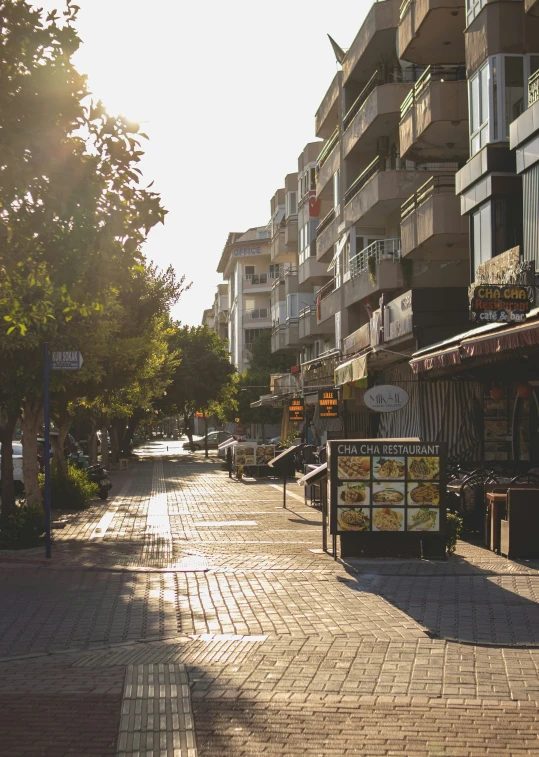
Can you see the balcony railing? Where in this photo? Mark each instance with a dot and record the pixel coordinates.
(257, 278)
(435, 185)
(377, 165)
(378, 78)
(306, 312)
(404, 8)
(442, 72)
(326, 220)
(256, 315)
(326, 290)
(328, 148)
(533, 89)
(382, 249)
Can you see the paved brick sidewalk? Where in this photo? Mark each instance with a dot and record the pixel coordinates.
(188, 576)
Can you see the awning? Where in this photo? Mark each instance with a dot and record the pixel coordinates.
(520, 335)
(352, 371)
(476, 343)
(439, 359)
(338, 250)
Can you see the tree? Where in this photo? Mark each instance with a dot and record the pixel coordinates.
(72, 214)
(255, 380)
(203, 377)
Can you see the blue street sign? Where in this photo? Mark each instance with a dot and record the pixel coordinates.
(66, 361)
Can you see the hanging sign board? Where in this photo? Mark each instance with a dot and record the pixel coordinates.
(386, 398)
(66, 361)
(385, 489)
(328, 403)
(491, 302)
(296, 409)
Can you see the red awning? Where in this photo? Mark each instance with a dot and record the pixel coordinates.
(512, 338)
(492, 342)
(440, 359)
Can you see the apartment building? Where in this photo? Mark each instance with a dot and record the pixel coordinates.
(247, 268)
(220, 312)
(502, 54)
(394, 122)
(208, 318)
(289, 296)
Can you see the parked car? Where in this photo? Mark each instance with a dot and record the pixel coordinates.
(214, 440)
(18, 478)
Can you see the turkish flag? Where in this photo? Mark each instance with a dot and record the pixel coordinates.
(314, 206)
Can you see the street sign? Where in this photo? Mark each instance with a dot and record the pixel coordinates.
(296, 409)
(328, 403)
(66, 361)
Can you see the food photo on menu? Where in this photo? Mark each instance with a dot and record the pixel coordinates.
(423, 519)
(353, 467)
(353, 519)
(387, 519)
(388, 493)
(423, 493)
(423, 468)
(355, 493)
(389, 468)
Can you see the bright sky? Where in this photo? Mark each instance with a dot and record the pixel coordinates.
(227, 92)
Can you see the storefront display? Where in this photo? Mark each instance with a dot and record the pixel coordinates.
(387, 486)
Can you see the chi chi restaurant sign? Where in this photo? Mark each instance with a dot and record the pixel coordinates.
(386, 398)
(501, 303)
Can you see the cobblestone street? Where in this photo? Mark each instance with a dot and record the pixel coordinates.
(191, 615)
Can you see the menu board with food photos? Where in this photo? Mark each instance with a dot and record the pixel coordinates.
(253, 454)
(386, 485)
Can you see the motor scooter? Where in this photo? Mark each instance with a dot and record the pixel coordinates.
(100, 476)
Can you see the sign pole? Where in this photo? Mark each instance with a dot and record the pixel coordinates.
(46, 414)
(284, 492)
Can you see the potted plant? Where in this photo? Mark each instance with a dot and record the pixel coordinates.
(239, 472)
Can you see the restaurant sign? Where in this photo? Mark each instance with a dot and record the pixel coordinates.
(389, 485)
(328, 403)
(491, 302)
(296, 409)
(386, 398)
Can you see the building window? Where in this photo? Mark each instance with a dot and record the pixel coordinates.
(274, 271)
(497, 95)
(249, 271)
(291, 204)
(482, 235)
(252, 334)
(479, 109)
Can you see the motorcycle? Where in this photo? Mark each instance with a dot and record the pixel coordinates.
(100, 476)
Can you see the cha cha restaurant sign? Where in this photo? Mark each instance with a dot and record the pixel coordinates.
(501, 303)
(386, 398)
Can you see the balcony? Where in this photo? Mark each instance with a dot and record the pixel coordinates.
(431, 31)
(257, 282)
(376, 111)
(373, 270)
(320, 372)
(328, 301)
(357, 340)
(434, 116)
(312, 272)
(328, 163)
(432, 227)
(259, 314)
(381, 189)
(291, 233)
(374, 41)
(327, 115)
(326, 235)
(278, 339)
(309, 328)
(533, 89)
(291, 333)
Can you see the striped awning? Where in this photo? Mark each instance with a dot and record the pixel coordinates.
(354, 370)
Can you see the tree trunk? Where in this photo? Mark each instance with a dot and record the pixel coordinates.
(31, 426)
(206, 454)
(8, 420)
(114, 443)
(104, 447)
(188, 429)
